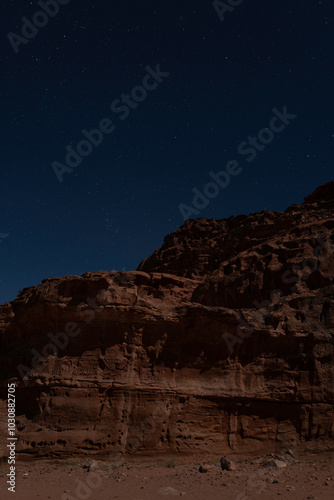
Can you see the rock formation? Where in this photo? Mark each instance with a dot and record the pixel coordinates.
(221, 341)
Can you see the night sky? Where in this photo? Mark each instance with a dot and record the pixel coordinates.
(221, 81)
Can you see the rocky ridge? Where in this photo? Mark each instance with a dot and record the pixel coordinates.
(221, 341)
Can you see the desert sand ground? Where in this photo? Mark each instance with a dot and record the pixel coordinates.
(307, 476)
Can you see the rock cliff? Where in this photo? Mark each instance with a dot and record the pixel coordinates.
(221, 341)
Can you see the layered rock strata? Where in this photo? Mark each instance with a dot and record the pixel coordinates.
(221, 341)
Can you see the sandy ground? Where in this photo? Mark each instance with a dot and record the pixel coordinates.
(310, 476)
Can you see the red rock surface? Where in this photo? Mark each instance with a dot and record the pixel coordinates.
(193, 352)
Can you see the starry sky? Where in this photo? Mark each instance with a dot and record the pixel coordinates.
(225, 69)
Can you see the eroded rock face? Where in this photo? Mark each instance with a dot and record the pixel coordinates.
(221, 341)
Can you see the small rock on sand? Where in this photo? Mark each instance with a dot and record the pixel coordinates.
(276, 463)
(205, 468)
(168, 491)
(227, 464)
(93, 466)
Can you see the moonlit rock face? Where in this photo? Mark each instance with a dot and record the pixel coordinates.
(220, 342)
(322, 193)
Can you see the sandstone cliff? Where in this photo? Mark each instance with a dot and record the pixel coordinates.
(221, 340)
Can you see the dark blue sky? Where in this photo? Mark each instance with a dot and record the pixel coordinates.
(224, 80)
